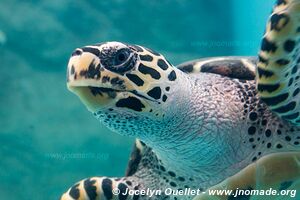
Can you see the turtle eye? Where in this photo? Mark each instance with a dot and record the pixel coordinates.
(121, 56)
(119, 61)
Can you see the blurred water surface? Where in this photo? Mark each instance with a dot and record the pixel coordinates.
(48, 140)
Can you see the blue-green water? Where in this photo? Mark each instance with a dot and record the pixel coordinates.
(48, 140)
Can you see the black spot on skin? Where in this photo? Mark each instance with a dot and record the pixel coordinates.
(172, 76)
(181, 178)
(90, 189)
(264, 122)
(105, 79)
(291, 82)
(286, 108)
(72, 70)
(251, 140)
(155, 93)
(279, 21)
(116, 81)
(268, 45)
(268, 133)
(286, 75)
(77, 52)
(146, 58)
(285, 185)
(289, 45)
(269, 145)
(254, 159)
(296, 143)
(272, 101)
(263, 60)
(263, 72)
(107, 188)
(167, 88)
(251, 130)
(93, 71)
(282, 62)
(267, 87)
(291, 116)
(173, 184)
(131, 103)
(296, 92)
(135, 79)
(279, 2)
(253, 116)
(147, 70)
(74, 191)
(164, 98)
(295, 69)
(122, 187)
(172, 173)
(187, 68)
(278, 146)
(91, 50)
(128, 182)
(142, 143)
(162, 64)
(135, 159)
(162, 168)
(288, 138)
(279, 132)
(99, 91)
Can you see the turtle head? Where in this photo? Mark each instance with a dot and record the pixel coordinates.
(120, 82)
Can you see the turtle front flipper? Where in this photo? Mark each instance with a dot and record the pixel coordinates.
(277, 73)
(102, 188)
(139, 176)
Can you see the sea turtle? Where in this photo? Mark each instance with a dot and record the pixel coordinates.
(232, 121)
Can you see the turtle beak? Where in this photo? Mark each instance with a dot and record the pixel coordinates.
(83, 69)
(96, 87)
(83, 79)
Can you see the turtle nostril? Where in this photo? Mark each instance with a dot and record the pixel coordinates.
(77, 52)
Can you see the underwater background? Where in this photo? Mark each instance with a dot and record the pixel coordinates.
(48, 139)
